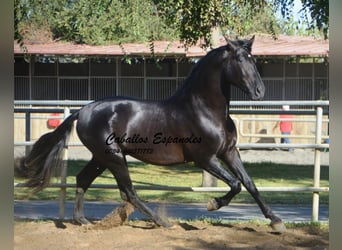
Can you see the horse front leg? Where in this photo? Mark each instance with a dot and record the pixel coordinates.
(233, 161)
(83, 181)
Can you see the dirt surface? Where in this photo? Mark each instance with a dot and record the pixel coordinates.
(115, 232)
(145, 235)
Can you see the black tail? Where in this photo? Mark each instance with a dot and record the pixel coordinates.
(46, 155)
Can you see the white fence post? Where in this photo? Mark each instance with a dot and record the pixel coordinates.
(64, 169)
(317, 168)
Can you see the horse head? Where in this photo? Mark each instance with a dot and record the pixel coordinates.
(241, 70)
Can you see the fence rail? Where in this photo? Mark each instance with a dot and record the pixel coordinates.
(69, 103)
(189, 189)
(64, 106)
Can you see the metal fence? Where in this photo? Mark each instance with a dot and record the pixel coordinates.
(319, 107)
(93, 88)
(155, 88)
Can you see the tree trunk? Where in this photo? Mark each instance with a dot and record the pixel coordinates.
(207, 179)
(215, 37)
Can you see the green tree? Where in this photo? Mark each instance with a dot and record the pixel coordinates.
(108, 21)
(195, 19)
(244, 22)
(93, 22)
(316, 13)
(103, 21)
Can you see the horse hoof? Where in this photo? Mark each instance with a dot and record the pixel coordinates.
(212, 205)
(82, 221)
(164, 223)
(278, 226)
(168, 224)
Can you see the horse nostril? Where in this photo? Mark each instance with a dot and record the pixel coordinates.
(259, 91)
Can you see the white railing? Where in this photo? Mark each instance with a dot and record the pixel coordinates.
(64, 106)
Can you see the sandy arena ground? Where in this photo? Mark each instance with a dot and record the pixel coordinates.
(142, 235)
(115, 232)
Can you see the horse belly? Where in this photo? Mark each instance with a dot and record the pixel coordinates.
(159, 155)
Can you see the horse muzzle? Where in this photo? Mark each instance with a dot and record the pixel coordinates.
(257, 93)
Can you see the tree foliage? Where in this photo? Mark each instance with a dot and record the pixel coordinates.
(316, 12)
(195, 18)
(94, 22)
(103, 21)
(117, 21)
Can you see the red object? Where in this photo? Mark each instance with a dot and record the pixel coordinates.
(54, 122)
(286, 126)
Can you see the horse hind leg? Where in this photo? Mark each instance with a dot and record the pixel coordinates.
(83, 181)
(120, 171)
(215, 168)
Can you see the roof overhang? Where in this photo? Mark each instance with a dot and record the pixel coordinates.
(264, 45)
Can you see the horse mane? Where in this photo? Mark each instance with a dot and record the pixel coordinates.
(203, 60)
(188, 82)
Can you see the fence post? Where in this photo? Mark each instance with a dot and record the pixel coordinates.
(317, 167)
(208, 180)
(27, 131)
(62, 196)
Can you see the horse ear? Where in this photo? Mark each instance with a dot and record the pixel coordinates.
(251, 41)
(248, 43)
(230, 45)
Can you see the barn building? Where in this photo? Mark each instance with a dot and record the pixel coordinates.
(293, 68)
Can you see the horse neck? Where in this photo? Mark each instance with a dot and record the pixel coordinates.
(203, 87)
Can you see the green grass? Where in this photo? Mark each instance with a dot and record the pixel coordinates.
(263, 174)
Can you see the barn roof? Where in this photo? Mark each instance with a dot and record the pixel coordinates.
(264, 45)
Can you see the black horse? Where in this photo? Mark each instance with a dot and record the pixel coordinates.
(190, 126)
